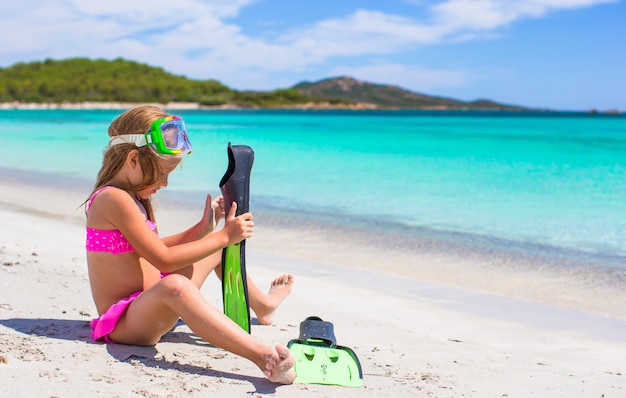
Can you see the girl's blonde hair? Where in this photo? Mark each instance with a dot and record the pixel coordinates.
(134, 121)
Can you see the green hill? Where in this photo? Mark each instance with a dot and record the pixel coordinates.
(82, 80)
(386, 96)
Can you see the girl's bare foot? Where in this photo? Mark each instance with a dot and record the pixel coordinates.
(279, 366)
(279, 290)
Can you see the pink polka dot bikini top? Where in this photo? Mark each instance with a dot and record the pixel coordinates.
(109, 240)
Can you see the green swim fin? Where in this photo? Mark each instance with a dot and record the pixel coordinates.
(235, 187)
(319, 360)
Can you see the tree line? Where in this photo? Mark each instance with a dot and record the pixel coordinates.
(85, 80)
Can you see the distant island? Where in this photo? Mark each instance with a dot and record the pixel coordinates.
(86, 83)
(382, 96)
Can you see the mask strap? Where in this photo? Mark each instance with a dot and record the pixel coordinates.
(137, 139)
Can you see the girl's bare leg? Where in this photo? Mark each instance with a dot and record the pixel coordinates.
(157, 309)
(264, 305)
(199, 271)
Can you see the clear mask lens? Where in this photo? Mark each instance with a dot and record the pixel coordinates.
(175, 135)
(169, 136)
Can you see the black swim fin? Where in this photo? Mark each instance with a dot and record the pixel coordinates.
(235, 187)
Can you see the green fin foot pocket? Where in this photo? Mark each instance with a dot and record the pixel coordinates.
(318, 358)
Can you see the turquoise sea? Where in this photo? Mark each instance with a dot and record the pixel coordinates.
(533, 182)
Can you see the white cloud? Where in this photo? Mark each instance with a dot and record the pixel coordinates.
(160, 12)
(367, 33)
(89, 28)
(458, 16)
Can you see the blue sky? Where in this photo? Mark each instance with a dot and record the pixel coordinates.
(558, 54)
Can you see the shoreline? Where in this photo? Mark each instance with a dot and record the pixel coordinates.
(319, 106)
(90, 105)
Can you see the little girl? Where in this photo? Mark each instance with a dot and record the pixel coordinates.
(142, 283)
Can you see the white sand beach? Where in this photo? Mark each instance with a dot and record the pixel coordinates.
(422, 326)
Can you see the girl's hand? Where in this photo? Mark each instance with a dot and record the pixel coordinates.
(213, 212)
(218, 208)
(238, 228)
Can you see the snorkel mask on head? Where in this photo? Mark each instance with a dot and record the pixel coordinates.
(167, 136)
